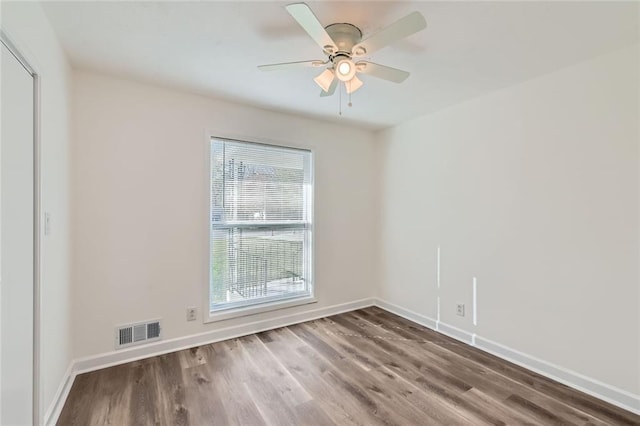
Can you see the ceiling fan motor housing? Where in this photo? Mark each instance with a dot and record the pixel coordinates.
(345, 36)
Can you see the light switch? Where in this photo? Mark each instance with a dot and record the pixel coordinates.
(47, 223)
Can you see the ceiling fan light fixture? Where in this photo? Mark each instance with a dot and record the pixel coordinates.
(324, 79)
(342, 43)
(352, 85)
(345, 69)
(359, 51)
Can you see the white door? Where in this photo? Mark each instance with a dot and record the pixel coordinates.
(16, 242)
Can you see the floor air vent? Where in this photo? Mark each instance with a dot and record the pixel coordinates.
(135, 334)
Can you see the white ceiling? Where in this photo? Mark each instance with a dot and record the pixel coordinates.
(213, 48)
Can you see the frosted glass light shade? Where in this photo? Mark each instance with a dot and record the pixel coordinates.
(354, 84)
(325, 79)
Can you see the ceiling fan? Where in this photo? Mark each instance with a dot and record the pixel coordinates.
(342, 43)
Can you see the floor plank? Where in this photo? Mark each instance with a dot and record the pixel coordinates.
(366, 367)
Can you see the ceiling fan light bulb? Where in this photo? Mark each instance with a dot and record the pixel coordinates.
(345, 70)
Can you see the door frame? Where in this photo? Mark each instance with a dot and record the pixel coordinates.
(27, 65)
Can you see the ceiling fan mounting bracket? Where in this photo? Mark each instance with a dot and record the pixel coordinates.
(338, 56)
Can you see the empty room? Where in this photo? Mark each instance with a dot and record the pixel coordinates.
(320, 213)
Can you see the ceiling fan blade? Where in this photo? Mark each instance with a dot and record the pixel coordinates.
(332, 89)
(410, 24)
(308, 21)
(291, 65)
(382, 71)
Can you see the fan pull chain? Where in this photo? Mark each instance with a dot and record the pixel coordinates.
(340, 99)
(350, 104)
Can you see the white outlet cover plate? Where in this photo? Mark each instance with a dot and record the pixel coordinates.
(192, 313)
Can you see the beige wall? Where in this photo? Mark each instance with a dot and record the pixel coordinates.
(534, 190)
(29, 28)
(140, 177)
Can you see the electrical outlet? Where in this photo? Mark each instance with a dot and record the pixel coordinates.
(460, 309)
(192, 313)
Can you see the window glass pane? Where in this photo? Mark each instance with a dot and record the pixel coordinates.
(260, 223)
(258, 183)
(257, 264)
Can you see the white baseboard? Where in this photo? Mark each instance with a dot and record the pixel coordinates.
(59, 398)
(406, 313)
(426, 321)
(588, 385)
(615, 396)
(455, 332)
(109, 359)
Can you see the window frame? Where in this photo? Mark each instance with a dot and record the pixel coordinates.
(267, 305)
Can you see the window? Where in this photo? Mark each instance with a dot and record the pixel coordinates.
(261, 225)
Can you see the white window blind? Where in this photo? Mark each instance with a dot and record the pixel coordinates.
(261, 224)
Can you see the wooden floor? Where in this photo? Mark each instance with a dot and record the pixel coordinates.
(364, 367)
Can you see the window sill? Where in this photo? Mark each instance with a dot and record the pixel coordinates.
(257, 309)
